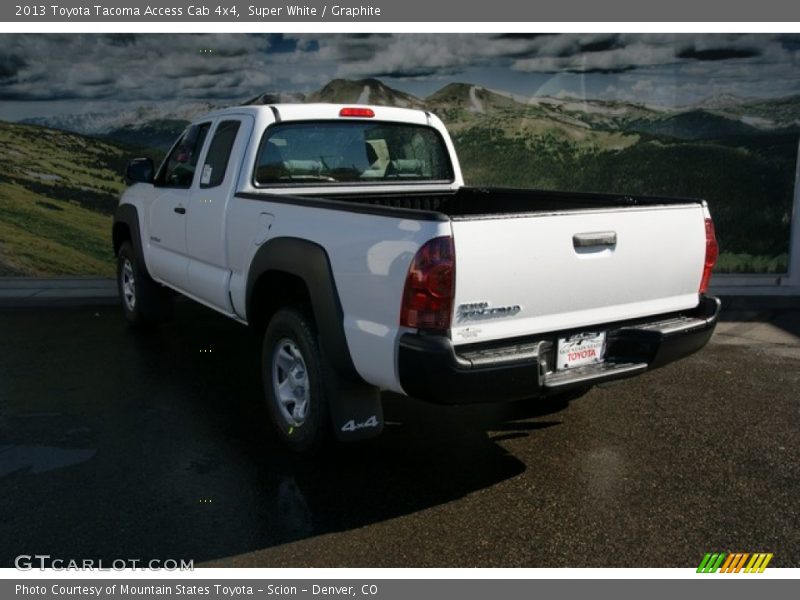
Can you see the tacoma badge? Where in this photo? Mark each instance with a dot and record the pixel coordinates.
(482, 310)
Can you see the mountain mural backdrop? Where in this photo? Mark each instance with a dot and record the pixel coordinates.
(60, 176)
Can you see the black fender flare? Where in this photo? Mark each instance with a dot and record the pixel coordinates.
(308, 261)
(128, 215)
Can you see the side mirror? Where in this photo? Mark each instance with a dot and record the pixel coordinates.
(140, 170)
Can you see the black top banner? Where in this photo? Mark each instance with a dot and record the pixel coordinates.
(378, 11)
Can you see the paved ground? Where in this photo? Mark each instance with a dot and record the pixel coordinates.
(38, 292)
(114, 444)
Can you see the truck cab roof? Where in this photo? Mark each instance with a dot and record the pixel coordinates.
(327, 111)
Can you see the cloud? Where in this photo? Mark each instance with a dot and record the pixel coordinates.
(139, 66)
(10, 65)
(423, 55)
(411, 55)
(716, 54)
(616, 53)
(175, 67)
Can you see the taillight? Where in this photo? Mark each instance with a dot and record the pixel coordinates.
(356, 112)
(712, 253)
(430, 286)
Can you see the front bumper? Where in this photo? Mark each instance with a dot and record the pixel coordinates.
(430, 368)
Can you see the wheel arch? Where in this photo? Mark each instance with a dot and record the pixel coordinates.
(126, 228)
(305, 270)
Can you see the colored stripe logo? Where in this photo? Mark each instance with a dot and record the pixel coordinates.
(734, 562)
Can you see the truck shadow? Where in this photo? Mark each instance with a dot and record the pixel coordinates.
(181, 463)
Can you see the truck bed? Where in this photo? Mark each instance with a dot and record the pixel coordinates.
(466, 203)
(551, 261)
(470, 202)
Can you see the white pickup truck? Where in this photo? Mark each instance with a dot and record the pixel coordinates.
(346, 234)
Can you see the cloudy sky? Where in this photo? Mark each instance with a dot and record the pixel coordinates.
(50, 74)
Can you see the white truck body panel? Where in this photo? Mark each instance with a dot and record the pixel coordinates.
(530, 262)
(369, 264)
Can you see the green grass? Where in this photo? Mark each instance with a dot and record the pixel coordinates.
(57, 193)
(730, 262)
(41, 236)
(60, 160)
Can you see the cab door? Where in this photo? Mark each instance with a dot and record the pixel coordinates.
(166, 218)
(208, 273)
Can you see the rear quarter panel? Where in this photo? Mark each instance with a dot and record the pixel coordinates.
(369, 257)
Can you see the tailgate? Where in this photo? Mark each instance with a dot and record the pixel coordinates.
(529, 274)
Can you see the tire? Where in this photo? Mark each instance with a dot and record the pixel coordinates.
(144, 302)
(292, 376)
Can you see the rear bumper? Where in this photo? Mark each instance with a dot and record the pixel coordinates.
(431, 369)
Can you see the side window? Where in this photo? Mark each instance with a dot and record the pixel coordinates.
(219, 152)
(179, 168)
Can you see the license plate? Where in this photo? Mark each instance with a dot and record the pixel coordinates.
(580, 350)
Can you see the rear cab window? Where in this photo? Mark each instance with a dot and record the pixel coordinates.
(352, 152)
(218, 155)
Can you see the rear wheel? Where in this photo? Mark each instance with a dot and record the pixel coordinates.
(291, 366)
(144, 301)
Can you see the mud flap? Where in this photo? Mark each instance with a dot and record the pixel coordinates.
(355, 408)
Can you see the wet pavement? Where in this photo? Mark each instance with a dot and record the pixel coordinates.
(115, 444)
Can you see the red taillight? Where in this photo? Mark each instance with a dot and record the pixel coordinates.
(430, 286)
(356, 112)
(712, 253)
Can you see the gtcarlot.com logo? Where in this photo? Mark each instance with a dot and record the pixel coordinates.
(734, 562)
(28, 562)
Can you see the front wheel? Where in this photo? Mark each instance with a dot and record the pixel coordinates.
(291, 366)
(144, 301)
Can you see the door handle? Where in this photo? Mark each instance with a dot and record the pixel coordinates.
(595, 239)
(180, 210)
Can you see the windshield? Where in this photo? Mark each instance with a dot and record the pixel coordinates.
(354, 151)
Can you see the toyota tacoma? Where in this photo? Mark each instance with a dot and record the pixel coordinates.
(346, 236)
